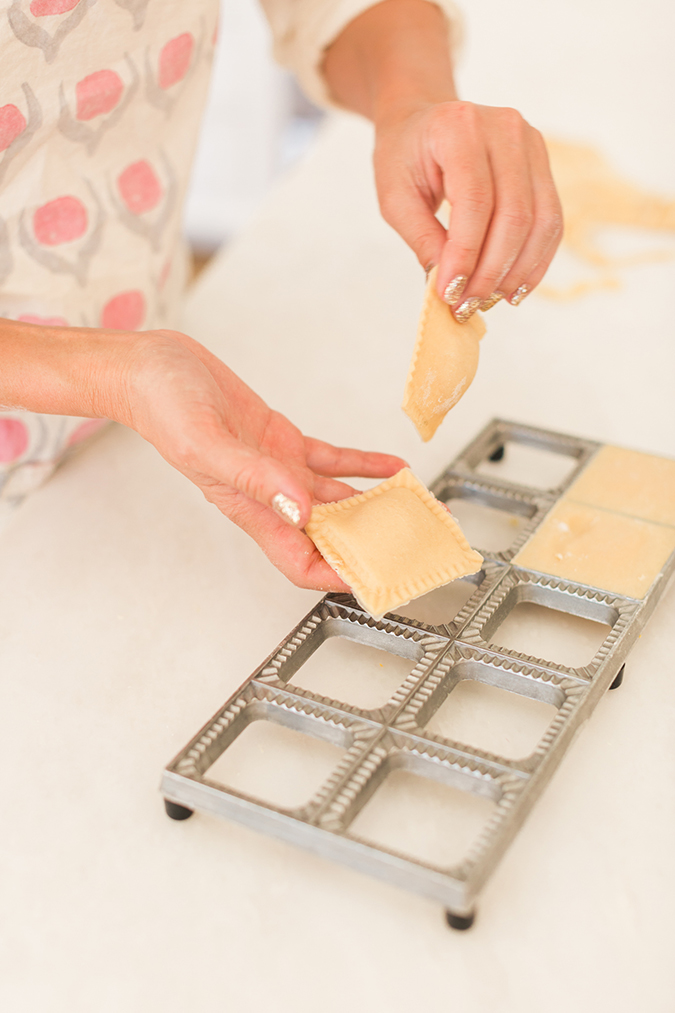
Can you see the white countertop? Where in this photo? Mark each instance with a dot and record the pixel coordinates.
(130, 610)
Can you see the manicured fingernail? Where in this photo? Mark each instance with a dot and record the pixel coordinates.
(453, 291)
(519, 295)
(466, 310)
(427, 270)
(287, 508)
(491, 301)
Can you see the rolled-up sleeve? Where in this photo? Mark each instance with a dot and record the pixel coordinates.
(303, 30)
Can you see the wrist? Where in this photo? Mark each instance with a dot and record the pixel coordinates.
(392, 60)
(393, 108)
(66, 370)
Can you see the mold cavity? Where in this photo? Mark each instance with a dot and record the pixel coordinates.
(439, 606)
(492, 718)
(486, 526)
(527, 465)
(276, 764)
(353, 673)
(551, 635)
(422, 819)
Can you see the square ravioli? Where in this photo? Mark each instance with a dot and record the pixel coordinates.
(443, 364)
(607, 550)
(641, 485)
(392, 543)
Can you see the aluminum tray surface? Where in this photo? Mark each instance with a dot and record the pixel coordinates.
(399, 734)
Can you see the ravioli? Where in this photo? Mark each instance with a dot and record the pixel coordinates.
(392, 543)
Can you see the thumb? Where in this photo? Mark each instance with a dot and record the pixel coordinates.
(406, 210)
(263, 479)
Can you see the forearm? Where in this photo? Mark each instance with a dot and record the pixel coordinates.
(65, 370)
(393, 59)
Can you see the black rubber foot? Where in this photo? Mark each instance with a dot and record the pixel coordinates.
(619, 678)
(177, 812)
(498, 454)
(460, 922)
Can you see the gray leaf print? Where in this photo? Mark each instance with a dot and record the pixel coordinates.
(33, 124)
(6, 261)
(31, 34)
(136, 8)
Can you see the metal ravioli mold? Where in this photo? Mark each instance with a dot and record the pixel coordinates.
(405, 736)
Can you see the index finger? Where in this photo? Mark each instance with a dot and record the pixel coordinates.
(336, 462)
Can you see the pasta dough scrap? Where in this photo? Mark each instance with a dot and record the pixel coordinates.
(392, 543)
(593, 196)
(599, 547)
(630, 482)
(444, 362)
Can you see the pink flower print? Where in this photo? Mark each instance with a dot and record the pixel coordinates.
(30, 318)
(97, 94)
(139, 187)
(60, 221)
(45, 8)
(13, 439)
(174, 60)
(12, 124)
(137, 9)
(64, 234)
(85, 430)
(124, 312)
(102, 96)
(142, 188)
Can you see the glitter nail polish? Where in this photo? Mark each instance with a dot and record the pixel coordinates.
(287, 508)
(453, 291)
(519, 295)
(466, 310)
(491, 301)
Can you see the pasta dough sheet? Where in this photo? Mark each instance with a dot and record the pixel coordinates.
(641, 485)
(599, 547)
(392, 543)
(444, 362)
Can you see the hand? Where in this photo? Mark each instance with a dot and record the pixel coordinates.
(393, 64)
(214, 429)
(492, 168)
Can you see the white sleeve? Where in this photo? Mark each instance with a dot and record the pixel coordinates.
(303, 29)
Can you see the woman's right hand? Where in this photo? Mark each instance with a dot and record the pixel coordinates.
(247, 459)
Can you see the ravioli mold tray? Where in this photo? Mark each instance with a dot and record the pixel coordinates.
(394, 736)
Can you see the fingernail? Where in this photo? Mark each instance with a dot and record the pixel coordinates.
(287, 508)
(466, 310)
(427, 270)
(453, 291)
(491, 301)
(519, 295)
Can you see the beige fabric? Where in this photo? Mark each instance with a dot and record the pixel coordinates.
(392, 543)
(100, 105)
